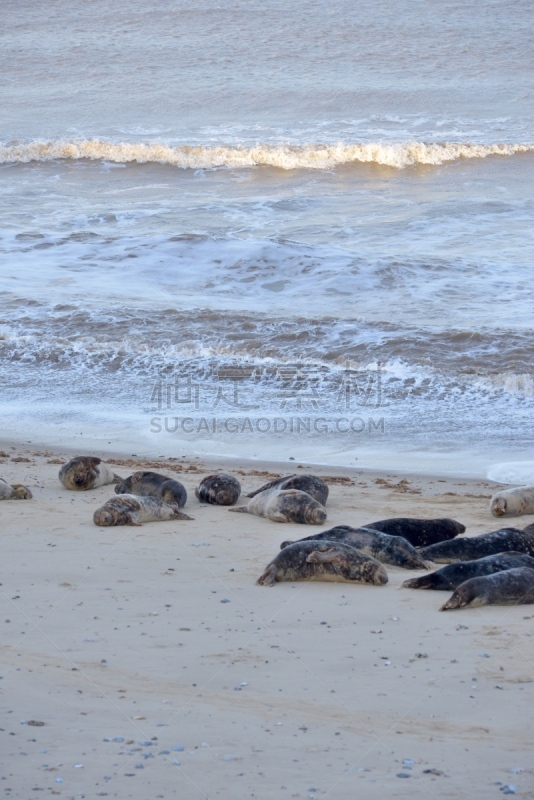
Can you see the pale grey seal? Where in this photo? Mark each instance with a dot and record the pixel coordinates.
(86, 472)
(14, 492)
(473, 547)
(287, 505)
(513, 502)
(449, 577)
(323, 561)
(151, 484)
(511, 587)
(220, 489)
(419, 532)
(131, 509)
(311, 484)
(392, 550)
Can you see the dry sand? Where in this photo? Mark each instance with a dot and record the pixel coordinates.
(160, 670)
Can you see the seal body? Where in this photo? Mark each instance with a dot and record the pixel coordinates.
(323, 561)
(513, 502)
(311, 484)
(220, 489)
(131, 509)
(419, 532)
(512, 587)
(86, 472)
(15, 492)
(392, 550)
(287, 505)
(151, 484)
(449, 577)
(473, 547)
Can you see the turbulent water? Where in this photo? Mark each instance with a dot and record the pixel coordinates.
(282, 230)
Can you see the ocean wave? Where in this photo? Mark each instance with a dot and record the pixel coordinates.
(287, 157)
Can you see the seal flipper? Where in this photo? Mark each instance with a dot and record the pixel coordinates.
(240, 510)
(332, 556)
(181, 515)
(271, 485)
(116, 478)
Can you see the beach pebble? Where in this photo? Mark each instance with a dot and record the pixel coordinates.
(179, 748)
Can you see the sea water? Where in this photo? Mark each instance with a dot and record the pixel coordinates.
(282, 230)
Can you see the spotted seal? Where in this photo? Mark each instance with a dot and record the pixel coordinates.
(86, 472)
(131, 509)
(487, 544)
(287, 505)
(323, 561)
(392, 550)
(449, 577)
(220, 489)
(513, 502)
(419, 532)
(311, 484)
(14, 492)
(512, 587)
(151, 484)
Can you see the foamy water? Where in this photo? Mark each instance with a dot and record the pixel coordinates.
(270, 231)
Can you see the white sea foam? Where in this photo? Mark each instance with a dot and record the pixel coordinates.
(287, 157)
(519, 473)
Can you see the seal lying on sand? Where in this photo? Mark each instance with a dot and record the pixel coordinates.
(513, 502)
(512, 587)
(86, 472)
(487, 544)
(150, 484)
(419, 532)
(311, 484)
(15, 492)
(288, 505)
(449, 577)
(323, 561)
(220, 489)
(130, 509)
(392, 550)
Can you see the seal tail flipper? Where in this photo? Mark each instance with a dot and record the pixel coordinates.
(270, 485)
(240, 510)
(269, 576)
(117, 478)
(327, 557)
(181, 515)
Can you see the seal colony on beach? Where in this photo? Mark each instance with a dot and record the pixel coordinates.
(509, 588)
(513, 502)
(287, 505)
(220, 489)
(311, 484)
(486, 544)
(392, 550)
(419, 532)
(151, 484)
(14, 492)
(323, 561)
(450, 577)
(131, 509)
(86, 472)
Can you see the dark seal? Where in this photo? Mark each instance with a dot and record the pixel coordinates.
(220, 489)
(473, 547)
(286, 505)
(151, 484)
(450, 577)
(512, 587)
(311, 484)
(323, 561)
(419, 532)
(392, 550)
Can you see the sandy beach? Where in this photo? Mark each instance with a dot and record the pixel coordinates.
(146, 662)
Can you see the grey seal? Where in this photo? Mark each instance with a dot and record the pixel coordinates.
(311, 484)
(473, 547)
(14, 492)
(323, 561)
(220, 489)
(450, 577)
(287, 505)
(131, 509)
(86, 472)
(151, 484)
(392, 550)
(512, 587)
(419, 532)
(513, 502)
